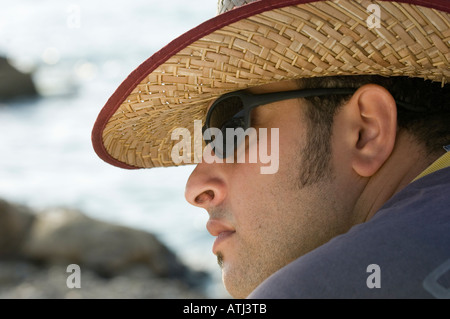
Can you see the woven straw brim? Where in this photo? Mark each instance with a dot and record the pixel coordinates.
(257, 44)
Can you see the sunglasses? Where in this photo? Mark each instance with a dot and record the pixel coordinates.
(232, 111)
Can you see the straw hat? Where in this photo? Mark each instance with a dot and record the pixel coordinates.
(261, 42)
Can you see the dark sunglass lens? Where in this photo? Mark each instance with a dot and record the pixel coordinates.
(224, 110)
(230, 137)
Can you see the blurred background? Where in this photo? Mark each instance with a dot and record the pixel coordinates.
(77, 53)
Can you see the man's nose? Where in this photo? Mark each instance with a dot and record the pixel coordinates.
(205, 187)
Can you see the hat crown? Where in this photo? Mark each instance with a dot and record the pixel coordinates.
(227, 5)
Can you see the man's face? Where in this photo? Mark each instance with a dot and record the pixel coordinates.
(264, 221)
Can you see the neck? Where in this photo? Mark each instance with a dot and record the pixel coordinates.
(406, 162)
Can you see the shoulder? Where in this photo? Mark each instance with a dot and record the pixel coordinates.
(404, 244)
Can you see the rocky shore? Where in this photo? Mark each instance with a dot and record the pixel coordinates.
(36, 249)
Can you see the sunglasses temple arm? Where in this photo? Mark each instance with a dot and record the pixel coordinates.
(261, 99)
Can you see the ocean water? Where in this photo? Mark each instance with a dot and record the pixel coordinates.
(79, 52)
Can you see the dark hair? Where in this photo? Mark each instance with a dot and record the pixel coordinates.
(428, 122)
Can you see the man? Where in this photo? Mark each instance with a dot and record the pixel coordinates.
(352, 97)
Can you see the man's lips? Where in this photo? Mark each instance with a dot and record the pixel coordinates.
(221, 229)
(220, 239)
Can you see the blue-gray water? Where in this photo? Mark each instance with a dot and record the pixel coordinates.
(80, 52)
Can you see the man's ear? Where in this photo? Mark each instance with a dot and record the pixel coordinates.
(374, 128)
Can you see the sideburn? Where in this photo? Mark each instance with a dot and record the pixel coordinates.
(316, 155)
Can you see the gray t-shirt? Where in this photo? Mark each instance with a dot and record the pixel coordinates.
(402, 252)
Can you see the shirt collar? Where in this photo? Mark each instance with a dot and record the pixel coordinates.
(440, 163)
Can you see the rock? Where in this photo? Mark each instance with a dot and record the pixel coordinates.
(15, 224)
(68, 236)
(14, 83)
